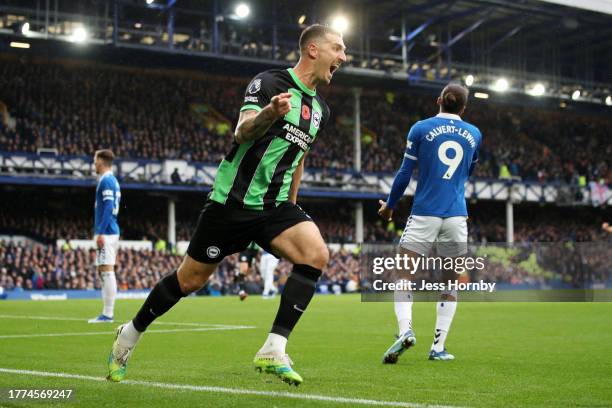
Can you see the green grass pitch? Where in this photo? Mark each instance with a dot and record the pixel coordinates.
(508, 355)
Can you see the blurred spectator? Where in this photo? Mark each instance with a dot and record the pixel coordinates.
(175, 177)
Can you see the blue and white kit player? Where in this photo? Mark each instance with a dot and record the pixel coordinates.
(446, 149)
(106, 231)
(267, 266)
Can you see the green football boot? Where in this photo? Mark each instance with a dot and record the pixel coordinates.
(279, 365)
(117, 359)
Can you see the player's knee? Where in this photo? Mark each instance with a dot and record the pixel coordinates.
(189, 286)
(193, 275)
(190, 282)
(448, 295)
(319, 257)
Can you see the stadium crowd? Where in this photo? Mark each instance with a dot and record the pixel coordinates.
(336, 223)
(48, 229)
(27, 266)
(46, 265)
(77, 108)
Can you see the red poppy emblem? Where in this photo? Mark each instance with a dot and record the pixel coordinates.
(305, 112)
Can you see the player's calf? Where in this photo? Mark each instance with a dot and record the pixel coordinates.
(302, 245)
(109, 292)
(445, 311)
(297, 294)
(191, 276)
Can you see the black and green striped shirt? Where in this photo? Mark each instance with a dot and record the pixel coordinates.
(257, 175)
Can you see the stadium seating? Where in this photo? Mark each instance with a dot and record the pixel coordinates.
(336, 224)
(76, 108)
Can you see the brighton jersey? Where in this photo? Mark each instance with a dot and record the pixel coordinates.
(445, 148)
(257, 175)
(108, 196)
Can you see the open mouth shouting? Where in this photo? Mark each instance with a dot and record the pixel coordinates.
(334, 67)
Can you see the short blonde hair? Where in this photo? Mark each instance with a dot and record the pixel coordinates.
(106, 155)
(315, 31)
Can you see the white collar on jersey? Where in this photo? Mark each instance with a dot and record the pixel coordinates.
(445, 115)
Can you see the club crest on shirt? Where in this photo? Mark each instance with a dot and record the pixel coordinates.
(305, 112)
(316, 119)
(255, 86)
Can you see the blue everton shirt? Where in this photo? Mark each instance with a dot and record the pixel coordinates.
(108, 196)
(445, 148)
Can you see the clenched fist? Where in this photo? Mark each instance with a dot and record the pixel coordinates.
(384, 211)
(281, 104)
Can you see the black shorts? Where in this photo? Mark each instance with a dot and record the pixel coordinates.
(248, 255)
(223, 230)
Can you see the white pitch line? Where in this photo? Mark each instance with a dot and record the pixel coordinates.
(20, 336)
(225, 390)
(78, 319)
(229, 326)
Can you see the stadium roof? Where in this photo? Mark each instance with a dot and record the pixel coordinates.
(524, 35)
(600, 6)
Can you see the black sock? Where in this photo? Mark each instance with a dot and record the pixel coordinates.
(297, 293)
(240, 281)
(166, 293)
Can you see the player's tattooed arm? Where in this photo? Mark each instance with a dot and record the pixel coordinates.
(252, 125)
(296, 180)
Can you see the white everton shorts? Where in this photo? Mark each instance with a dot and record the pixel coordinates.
(423, 231)
(268, 264)
(108, 253)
